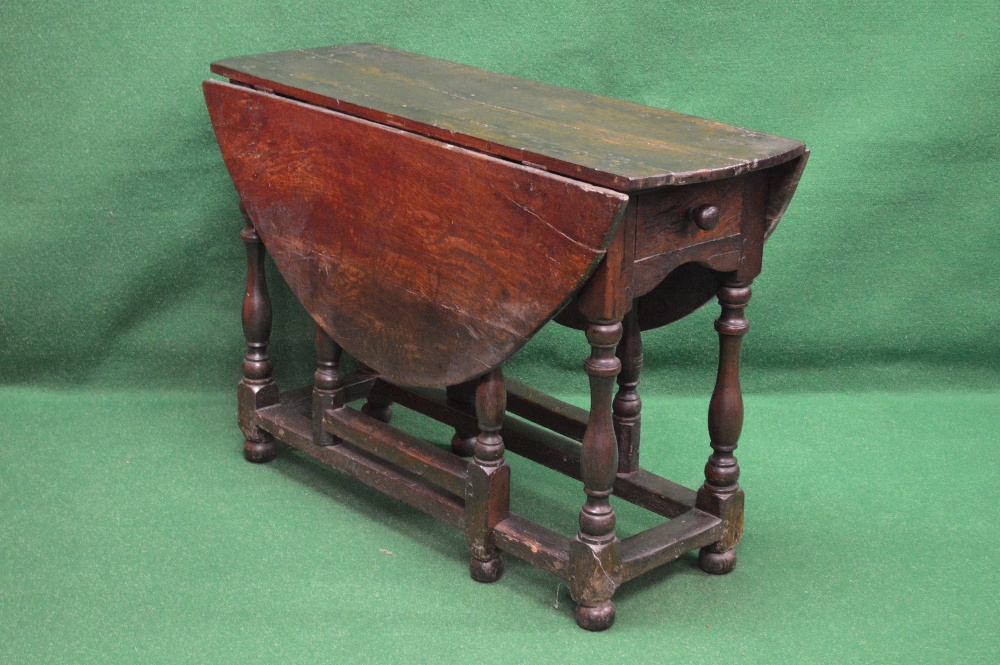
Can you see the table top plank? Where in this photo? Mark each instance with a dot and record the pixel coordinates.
(607, 142)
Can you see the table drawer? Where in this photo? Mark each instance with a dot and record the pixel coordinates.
(664, 216)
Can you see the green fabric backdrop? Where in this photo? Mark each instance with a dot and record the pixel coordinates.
(873, 359)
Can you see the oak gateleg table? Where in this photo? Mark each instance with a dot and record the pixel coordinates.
(432, 217)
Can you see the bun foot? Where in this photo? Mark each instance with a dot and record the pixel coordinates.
(259, 452)
(717, 563)
(595, 618)
(486, 571)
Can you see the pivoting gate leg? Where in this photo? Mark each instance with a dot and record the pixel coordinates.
(627, 406)
(595, 553)
(257, 389)
(487, 489)
(328, 385)
(721, 494)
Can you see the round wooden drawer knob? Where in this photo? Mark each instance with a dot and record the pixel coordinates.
(705, 217)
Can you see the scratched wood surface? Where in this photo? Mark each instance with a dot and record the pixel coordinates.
(607, 142)
(428, 262)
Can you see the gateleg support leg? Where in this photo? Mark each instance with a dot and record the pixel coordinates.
(595, 553)
(487, 489)
(627, 406)
(257, 388)
(721, 494)
(328, 385)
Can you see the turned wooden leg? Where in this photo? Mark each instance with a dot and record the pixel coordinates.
(627, 406)
(257, 389)
(595, 553)
(721, 494)
(463, 396)
(487, 490)
(328, 385)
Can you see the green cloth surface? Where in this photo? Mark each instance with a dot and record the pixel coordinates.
(132, 531)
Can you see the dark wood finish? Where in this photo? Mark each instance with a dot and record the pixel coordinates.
(547, 411)
(389, 218)
(721, 494)
(534, 543)
(555, 451)
(667, 237)
(664, 215)
(289, 421)
(463, 395)
(432, 217)
(685, 288)
(607, 296)
(654, 493)
(678, 266)
(603, 141)
(286, 422)
(379, 404)
(627, 406)
(328, 385)
(783, 181)
(662, 544)
(706, 217)
(487, 489)
(595, 553)
(257, 389)
(357, 386)
(436, 466)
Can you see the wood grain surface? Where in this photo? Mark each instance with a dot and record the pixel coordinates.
(429, 263)
(607, 142)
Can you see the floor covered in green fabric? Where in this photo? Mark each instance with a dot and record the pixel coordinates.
(133, 531)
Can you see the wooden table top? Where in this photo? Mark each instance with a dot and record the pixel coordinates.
(606, 142)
